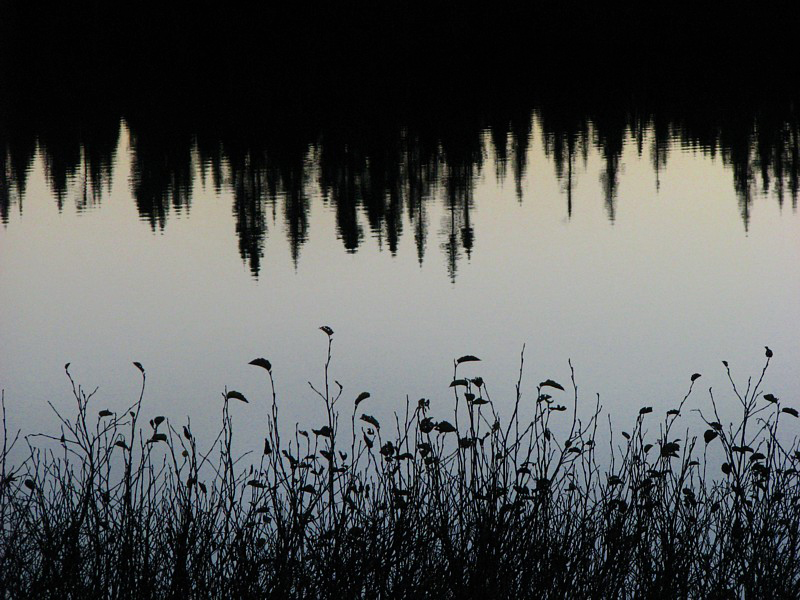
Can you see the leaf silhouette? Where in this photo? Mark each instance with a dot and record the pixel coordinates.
(445, 427)
(790, 411)
(710, 435)
(467, 358)
(361, 397)
(157, 437)
(457, 382)
(323, 431)
(158, 421)
(670, 449)
(770, 398)
(261, 362)
(552, 384)
(646, 409)
(105, 413)
(768, 352)
(138, 365)
(673, 411)
(328, 331)
(371, 420)
(696, 376)
(236, 396)
(725, 362)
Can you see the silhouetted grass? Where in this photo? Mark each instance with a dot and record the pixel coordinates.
(425, 507)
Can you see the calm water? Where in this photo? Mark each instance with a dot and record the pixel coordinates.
(643, 247)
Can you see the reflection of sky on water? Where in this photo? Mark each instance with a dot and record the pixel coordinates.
(673, 286)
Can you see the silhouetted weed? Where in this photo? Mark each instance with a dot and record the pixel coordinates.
(470, 506)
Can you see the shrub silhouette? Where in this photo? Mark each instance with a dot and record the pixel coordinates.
(428, 507)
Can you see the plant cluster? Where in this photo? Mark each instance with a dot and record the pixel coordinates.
(471, 506)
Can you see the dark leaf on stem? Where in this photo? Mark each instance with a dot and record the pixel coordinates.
(361, 397)
(261, 362)
(467, 358)
(236, 396)
(696, 376)
(445, 427)
(790, 411)
(328, 331)
(552, 384)
(371, 420)
(323, 431)
(138, 365)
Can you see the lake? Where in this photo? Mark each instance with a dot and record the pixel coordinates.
(641, 254)
(194, 226)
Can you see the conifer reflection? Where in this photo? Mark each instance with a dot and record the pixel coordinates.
(378, 172)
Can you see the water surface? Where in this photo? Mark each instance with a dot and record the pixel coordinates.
(642, 245)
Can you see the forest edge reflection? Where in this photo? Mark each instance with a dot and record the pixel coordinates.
(381, 107)
(384, 168)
